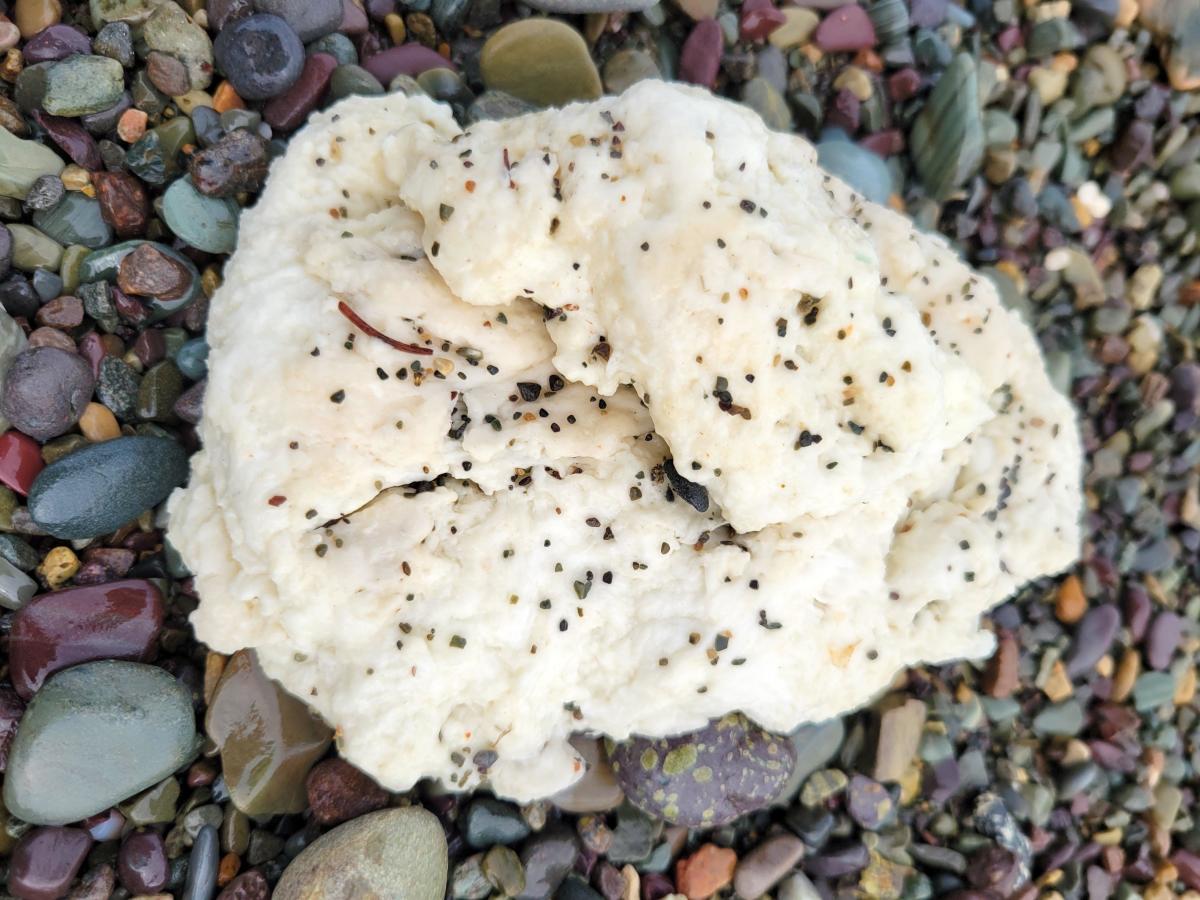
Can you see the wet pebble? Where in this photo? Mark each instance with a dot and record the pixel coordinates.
(407, 59)
(705, 778)
(337, 792)
(102, 486)
(205, 222)
(46, 391)
(142, 863)
(203, 863)
(45, 862)
(75, 219)
(20, 461)
(284, 112)
(250, 885)
(260, 55)
(123, 202)
(766, 865)
(94, 735)
(547, 858)
(489, 821)
(397, 853)
(82, 84)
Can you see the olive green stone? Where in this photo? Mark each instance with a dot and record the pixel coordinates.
(445, 85)
(235, 831)
(68, 269)
(1185, 183)
(34, 250)
(206, 223)
(8, 505)
(30, 88)
(626, 68)
(543, 61)
(268, 739)
(351, 80)
(12, 342)
(947, 137)
(169, 30)
(160, 388)
(396, 853)
(502, 868)
(64, 446)
(1100, 79)
(94, 735)
(75, 219)
(24, 162)
(762, 97)
(83, 84)
(1052, 36)
(132, 11)
(155, 805)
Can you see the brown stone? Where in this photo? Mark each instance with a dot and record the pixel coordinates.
(51, 337)
(337, 792)
(33, 16)
(250, 885)
(1070, 604)
(167, 74)
(705, 872)
(1001, 677)
(123, 202)
(64, 312)
(148, 272)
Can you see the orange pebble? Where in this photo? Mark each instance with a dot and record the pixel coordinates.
(1071, 604)
(228, 869)
(226, 98)
(98, 423)
(705, 872)
(131, 125)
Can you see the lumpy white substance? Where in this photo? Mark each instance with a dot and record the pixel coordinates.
(477, 549)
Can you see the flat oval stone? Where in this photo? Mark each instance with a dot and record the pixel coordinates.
(700, 56)
(289, 109)
(407, 59)
(20, 461)
(1094, 635)
(268, 739)
(395, 853)
(706, 778)
(79, 85)
(310, 19)
(142, 863)
(260, 55)
(76, 219)
(99, 488)
(24, 162)
(543, 61)
(352, 80)
(55, 43)
(206, 223)
(45, 862)
(95, 735)
(33, 249)
(117, 620)
(46, 391)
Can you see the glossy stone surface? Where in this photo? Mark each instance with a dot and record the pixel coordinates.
(117, 620)
(268, 739)
(94, 735)
(46, 861)
(20, 461)
(142, 863)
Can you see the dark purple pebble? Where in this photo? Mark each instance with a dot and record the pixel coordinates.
(54, 43)
(142, 863)
(1166, 631)
(1093, 636)
(700, 56)
(45, 862)
(407, 59)
(73, 139)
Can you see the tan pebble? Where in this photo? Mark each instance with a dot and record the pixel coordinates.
(75, 178)
(910, 783)
(394, 23)
(132, 125)
(1127, 672)
(1185, 690)
(32, 16)
(1050, 84)
(98, 423)
(1110, 838)
(210, 280)
(1155, 761)
(1076, 752)
(9, 34)
(12, 66)
(798, 26)
(1070, 603)
(1058, 686)
(131, 359)
(193, 99)
(1127, 13)
(632, 883)
(697, 10)
(1105, 667)
(59, 566)
(856, 81)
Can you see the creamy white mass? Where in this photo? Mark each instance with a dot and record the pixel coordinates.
(459, 557)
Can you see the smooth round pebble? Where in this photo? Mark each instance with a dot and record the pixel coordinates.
(46, 391)
(260, 55)
(206, 223)
(543, 61)
(310, 19)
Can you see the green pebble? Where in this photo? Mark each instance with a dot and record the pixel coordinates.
(192, 359)
(351, 80)
(1152, 690)
(168, 30)
(626, 68)
(34, 250)
(947, 138)
(24, 162)
(160, 388)
(83, 84)
(762, 97)
(206, 223)
(502, 868)
(156, 805)
(132, 11)
(75, 219)
(68, 270)
(543, 61)
(1060, 719)
(17, 551)
(336, 45)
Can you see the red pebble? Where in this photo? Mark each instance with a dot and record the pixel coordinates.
(700, 56)
(759, 19)
(20, 460)
(290, 108)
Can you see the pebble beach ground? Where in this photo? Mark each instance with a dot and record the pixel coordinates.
(1056, 143)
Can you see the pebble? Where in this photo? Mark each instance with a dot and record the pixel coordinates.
(260, 55)
(20, 461)
(94, 735)
(798, 26)
(588, 7)
(123, 203)
(33, 250)
(82, 84)
(597, 789)
(117, 620)
(1152, 690)
(351, 80)
(395, 853)
(901, 724)
(700, 55)
(766, 100)
(168, 30)
(142, 863)
(407, 59)
(205, 222)
(100, 487)
(1162, 639)
(489, 821)
(542, 61)
(1060, 719)
(264, 765)
(947, 137)
(547, 858)
(766, 865)
(288, 110)
(502, 868)
(797, 887)
(250, 885)
(45, 862)
(310, 19)
(759, 19)
(864, 171)
(22, 163)
(706, 778)
(1093, 637)
(337, 792)
(705, 872)
(32, 16)
(115, 40)
(846, 28)
(167, 74)
(76, 219)
(45, 391)
(54, 43)
(203, 863)
(16, 588)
